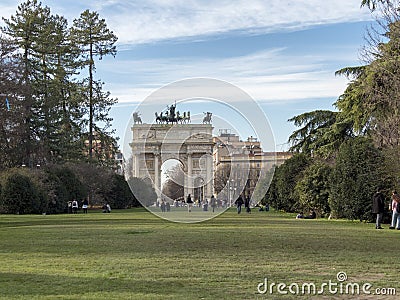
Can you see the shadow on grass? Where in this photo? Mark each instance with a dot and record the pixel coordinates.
(15, 285)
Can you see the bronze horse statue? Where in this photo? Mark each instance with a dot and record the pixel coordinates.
(207, 118)
(136, 118)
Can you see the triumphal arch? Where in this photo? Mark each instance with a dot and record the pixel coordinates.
(173, 137)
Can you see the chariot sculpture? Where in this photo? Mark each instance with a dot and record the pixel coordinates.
(171, 116)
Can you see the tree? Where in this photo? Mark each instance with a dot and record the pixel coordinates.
(282, 194)
(12, 130)
(74, 187)
(222, 183)
(120, 195)
(392, 165)
(21, 196)
(49, 102)
(314, 187)
(371, 4)
(372, 100)
(23, 28)
(142, 191)
(94, 39)
(357, 174)
(97, 180)
(59, 101)
(56, 192)
(322, 133)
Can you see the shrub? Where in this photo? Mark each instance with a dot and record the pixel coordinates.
(142, 191)
(67, 186)
(282, 194)
(21, 196)
(356, 176)
(314, 188)
(120, 195)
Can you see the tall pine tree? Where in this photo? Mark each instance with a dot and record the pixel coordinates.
(95, 40)
(51, 101)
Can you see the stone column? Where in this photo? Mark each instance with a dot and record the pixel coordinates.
(189, 177)
(157, 183)
(209, 179)
(135, 165)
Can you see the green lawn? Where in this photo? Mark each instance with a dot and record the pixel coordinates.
(135, 255)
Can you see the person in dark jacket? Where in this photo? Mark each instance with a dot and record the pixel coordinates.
(378, 206)
(239, 202)
(189, 203)
(213, 203)
(85, 205)
(247, 204)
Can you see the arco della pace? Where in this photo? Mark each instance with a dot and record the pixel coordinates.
(191, 144)
(220, 165)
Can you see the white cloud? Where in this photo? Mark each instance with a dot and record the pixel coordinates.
(148, 21)
(135, 21)
(267, 76)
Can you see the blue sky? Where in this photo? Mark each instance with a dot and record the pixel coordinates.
(282, 53)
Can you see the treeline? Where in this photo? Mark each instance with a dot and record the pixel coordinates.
(48, 189)
(52, 108)
(340, 187)
(343, 156)
(56, 141)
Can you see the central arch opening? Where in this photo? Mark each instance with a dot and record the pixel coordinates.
(172, 181)
(199, 191)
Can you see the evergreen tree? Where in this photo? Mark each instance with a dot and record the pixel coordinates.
(50, 101)
(49, 106)
(322, 133)
(24, 27)
(120, 195)
(142, 191)
(314, 188)
(282, 194)
(94, 39)
(12, 130)
(21, 196)
(356, 176)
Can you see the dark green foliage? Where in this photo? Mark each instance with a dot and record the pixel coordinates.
(46, 190)
(282, 194)
(313, 188)
(57, 194)
(351, 72)
(91, 35)
(368, 116)
(372, 99)
(392, 165)
(40, 58)
(142, 191)
(21, 196)
(357, 174)
(321, 133)
(67, 187)
(12, 130)
(120, 195)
